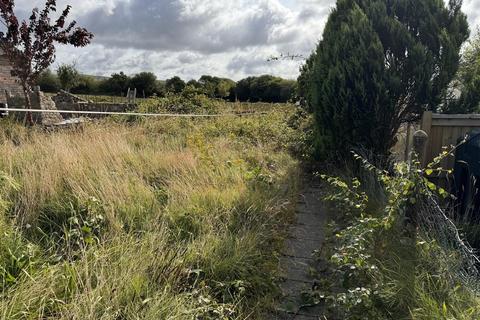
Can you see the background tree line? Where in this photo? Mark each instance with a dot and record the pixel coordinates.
(264, 88)
(464, 93)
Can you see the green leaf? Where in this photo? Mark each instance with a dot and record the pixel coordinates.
(431, 186)
(10, 278)
(86, 229)
(442, 192)
(89, 240)
(429, 172)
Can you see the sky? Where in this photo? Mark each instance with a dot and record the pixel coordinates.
(190, 38)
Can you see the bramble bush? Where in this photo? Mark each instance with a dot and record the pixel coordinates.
(190, 100)
(381, 263)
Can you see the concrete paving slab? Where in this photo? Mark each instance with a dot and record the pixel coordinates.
(297, 263)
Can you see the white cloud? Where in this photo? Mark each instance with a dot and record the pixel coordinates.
(231, 38)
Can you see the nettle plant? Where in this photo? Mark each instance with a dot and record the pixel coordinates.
(356, 244)
(30, 44)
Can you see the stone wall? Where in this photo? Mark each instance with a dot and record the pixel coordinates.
(62, 101)
(65, 98)
(39, 101)
(8, 83)
(69, 102)
(46, 103)
(94, 107)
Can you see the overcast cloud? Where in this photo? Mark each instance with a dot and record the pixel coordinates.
(194, 37)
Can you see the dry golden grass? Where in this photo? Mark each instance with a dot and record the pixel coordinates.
(160, 219)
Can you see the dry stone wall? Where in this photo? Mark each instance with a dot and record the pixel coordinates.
(69, 102)
(65, 98)
(39, 101)
(46, 103)
(62, 101)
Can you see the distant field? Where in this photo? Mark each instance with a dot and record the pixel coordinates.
(153, 219)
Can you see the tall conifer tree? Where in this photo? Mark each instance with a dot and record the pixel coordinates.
(379, 64)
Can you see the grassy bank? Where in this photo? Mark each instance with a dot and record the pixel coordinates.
(157, 219)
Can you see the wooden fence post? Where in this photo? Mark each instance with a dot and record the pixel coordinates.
(427, 122)
(427, 128)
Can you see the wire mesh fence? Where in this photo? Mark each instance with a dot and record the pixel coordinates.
(438, 224)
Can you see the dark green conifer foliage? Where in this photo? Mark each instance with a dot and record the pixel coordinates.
(380, 64)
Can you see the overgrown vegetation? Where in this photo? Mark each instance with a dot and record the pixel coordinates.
(183, 218)
(393, 250)
(155, 219)
(385, 259)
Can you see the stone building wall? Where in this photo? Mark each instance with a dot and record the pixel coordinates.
(8, 83)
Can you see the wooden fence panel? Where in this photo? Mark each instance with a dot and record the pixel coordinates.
(445, 130)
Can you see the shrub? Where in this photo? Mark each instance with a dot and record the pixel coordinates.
(68, 76)
(48, 81)
(190, 101)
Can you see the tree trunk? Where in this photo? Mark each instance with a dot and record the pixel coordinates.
(28, 105)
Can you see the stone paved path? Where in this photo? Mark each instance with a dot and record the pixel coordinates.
(298, 266)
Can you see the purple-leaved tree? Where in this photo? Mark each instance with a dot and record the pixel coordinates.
(30, 44)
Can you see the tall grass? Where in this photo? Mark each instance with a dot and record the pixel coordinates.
(158, 219)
